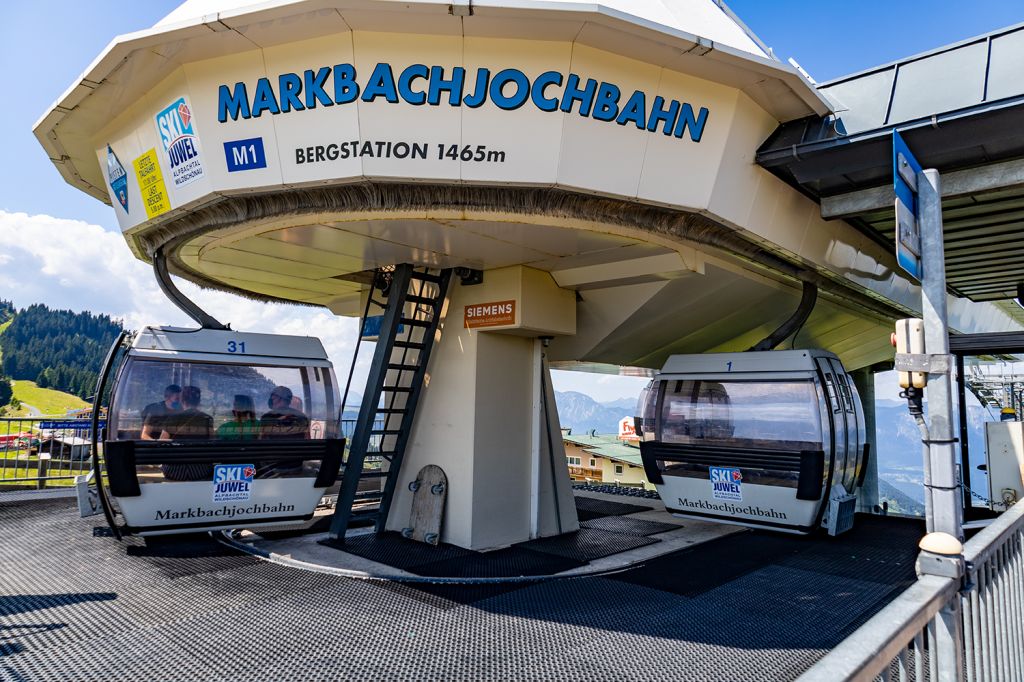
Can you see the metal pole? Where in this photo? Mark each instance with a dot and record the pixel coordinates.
(946, 507)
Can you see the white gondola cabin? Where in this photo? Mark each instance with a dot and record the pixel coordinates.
(771, 439)
(212, 429)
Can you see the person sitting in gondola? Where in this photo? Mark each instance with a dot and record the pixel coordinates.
(189, 424)
(244, 425)
(155, 414)
(282, 422)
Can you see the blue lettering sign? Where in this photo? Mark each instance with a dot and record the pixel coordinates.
(243, 155)
(418, 84)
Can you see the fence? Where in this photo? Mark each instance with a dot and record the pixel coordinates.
(944, 628)
(38, 452)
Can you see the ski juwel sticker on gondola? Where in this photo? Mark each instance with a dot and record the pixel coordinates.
(232, 482)
(726, 483)
(178, 136)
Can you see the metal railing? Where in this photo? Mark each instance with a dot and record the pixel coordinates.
(41, 452)
(993, 600)
(947, 628)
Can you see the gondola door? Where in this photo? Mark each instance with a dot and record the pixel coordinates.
(838, 419)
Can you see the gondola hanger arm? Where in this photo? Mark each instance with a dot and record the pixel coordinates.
(189, 307)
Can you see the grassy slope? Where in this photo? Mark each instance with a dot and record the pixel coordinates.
(47, 400)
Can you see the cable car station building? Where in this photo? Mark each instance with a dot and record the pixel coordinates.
(591, 174)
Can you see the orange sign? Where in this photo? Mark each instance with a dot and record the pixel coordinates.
(497, 314)
(626, 429)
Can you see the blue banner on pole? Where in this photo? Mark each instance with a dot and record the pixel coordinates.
(71, 424)
(905, 169)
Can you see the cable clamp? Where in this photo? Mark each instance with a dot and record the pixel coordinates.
(922, 362)
(940, 441)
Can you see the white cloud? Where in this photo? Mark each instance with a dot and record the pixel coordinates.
(74, 265)
(603, 388)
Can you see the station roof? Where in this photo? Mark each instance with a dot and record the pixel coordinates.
(959, 108)
(703, 35)
(608, 446)
(710, 19)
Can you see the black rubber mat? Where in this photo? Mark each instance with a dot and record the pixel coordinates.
(694, 570)
(882, 551)
(450, 595)
(393, 550)
(629, 525)
(502, 563)
(586, 515)
(606, 507)
(588, 544)
(181, 555)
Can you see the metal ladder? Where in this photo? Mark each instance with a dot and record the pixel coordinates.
(412, 312)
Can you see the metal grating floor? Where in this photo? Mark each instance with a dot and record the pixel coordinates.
(629, 525)
(75, 606)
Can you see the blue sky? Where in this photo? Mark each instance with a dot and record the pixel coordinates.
(46, 44)
(56, 40)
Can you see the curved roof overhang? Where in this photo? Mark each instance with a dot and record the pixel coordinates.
(132, 63)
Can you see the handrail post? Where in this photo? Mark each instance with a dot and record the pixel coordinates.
(942, 555)
(42, 470)
(949, 644)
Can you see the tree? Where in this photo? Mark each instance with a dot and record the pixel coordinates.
(6, 393)
(58, 349)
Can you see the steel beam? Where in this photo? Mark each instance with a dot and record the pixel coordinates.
(1003, 175)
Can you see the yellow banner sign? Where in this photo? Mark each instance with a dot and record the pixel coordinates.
(151, 184)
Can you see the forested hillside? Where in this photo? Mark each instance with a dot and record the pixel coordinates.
(6, 313)
(56, 349)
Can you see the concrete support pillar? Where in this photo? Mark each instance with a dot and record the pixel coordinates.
(487, 416)
(864, 380)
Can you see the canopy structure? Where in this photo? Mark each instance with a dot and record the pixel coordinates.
(959, 108)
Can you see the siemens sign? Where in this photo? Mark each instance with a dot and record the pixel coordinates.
(418, 84)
